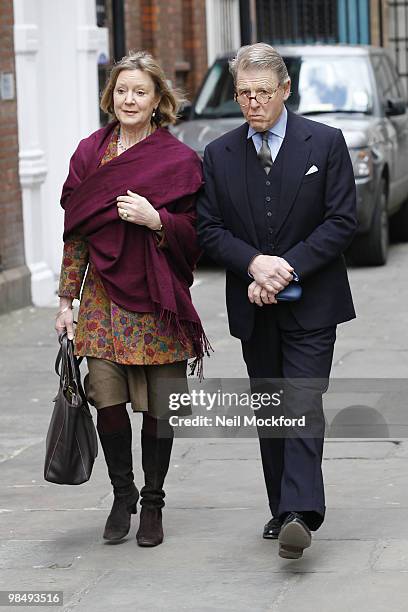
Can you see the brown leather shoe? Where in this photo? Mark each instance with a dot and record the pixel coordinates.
(150, 532)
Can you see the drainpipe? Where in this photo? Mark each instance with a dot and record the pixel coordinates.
(247, 15)
(118, 18)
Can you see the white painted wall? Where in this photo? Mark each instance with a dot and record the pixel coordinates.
(223, 27)
(57, 44)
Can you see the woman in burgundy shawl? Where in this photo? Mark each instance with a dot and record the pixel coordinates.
(129, 203)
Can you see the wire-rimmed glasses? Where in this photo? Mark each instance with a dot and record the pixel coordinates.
(262, 97)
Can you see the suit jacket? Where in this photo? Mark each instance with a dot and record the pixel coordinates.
(315, 222)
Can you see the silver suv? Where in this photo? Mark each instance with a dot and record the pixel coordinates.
(354, 88)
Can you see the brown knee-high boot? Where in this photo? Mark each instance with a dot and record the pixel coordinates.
(156, 452)
(117, 448)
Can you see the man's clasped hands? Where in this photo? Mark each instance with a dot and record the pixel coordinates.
(271, 274)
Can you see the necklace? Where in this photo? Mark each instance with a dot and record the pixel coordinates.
(124, 148)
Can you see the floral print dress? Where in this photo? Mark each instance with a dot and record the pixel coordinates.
(104, 329)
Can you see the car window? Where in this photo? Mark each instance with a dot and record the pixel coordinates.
(386, 81)
(318, 84)
(329, 84)
(394, 76)
(216, 98)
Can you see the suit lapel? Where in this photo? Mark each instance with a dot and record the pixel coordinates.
(296, 154)
(236, 180)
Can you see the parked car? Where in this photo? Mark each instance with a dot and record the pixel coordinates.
(354, 88)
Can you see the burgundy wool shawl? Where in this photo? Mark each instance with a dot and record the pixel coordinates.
(136, 274)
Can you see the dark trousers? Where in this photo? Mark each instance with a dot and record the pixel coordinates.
(280, 349)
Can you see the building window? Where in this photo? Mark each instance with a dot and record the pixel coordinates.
(297, 21)
(313, 21)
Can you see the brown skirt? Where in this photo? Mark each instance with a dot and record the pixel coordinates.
(146, 387)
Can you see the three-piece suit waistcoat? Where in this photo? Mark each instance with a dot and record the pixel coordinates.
(264, 191)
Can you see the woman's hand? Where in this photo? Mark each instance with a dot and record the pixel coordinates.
(136, 209)
(65, 319)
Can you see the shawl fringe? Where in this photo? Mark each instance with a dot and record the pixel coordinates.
(186, 331)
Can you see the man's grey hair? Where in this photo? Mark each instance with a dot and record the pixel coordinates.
(260, 56)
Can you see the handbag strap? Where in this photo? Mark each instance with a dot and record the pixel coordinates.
(60, 352)
(67, 368)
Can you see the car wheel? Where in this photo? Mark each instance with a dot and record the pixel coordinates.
(371, 249)
(399, 224)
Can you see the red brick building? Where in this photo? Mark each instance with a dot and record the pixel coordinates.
(14, 275)
(174, 31)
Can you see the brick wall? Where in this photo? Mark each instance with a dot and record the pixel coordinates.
(174, 31)
(133, 26)
(14, 285)
(195, 42)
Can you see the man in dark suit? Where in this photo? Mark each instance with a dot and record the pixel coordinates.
(279, 203)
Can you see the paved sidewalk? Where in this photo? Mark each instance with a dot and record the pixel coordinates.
(213, 557)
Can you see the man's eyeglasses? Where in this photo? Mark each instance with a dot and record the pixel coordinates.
(263, 97)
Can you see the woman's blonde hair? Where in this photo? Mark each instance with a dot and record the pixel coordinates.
(170, 99)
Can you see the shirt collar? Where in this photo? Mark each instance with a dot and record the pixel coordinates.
(279, 128)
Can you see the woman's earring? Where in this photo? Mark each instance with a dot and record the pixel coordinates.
(153, 113)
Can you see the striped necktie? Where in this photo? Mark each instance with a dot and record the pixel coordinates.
(264, 154)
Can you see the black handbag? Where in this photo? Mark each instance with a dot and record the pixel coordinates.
(71, 444)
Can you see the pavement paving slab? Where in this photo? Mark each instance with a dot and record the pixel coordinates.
(213, 557)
